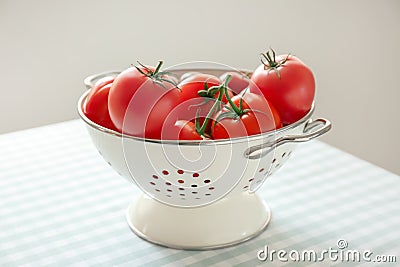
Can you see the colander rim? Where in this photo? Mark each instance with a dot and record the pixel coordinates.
(189, 142)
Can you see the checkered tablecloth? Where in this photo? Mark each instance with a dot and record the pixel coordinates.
(62, 205)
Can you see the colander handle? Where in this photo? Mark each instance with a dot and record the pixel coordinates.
(312, 129)
(92, 79)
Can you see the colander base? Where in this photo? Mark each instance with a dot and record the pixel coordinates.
(228, 222)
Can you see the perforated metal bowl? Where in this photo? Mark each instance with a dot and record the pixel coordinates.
(196, 175)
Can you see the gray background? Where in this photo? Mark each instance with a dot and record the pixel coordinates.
(49, 47)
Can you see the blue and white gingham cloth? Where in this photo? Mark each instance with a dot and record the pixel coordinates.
(62, 205)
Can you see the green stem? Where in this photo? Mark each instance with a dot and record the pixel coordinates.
(237, 110)
(158, 67)
(223, 90)
(205, 122)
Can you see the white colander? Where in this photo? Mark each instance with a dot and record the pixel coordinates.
(199, 194)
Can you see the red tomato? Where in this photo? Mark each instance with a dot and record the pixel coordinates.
(140, 99)
(191, 85)
(287, 83)
(193, 105)
(207, 130)
(191, 102)
(96, 105)
(198, 110)
(238, 83)
(256, 116)
(187, 130)
(180, 130)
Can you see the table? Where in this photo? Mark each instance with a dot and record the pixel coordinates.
(62, 205)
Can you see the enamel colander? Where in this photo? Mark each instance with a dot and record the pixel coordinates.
(188, 183)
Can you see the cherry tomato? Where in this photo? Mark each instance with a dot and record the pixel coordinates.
(287, 83)
(254, 115)
(96, 105)
(140, 99)
(238, 83)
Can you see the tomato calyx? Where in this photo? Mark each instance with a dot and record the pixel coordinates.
(209, 92)
(270, 62)
(156, 75)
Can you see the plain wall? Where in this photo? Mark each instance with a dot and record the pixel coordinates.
(49, 47)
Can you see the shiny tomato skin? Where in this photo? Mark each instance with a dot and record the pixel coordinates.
(102, 82)
(187, 130)
(138, 105)
(258, 104)
(227, 128)
(180, 130)
(238, 83)
(96, 104)
(191, 104)
(276, 116)
(291, 91)
(121, 93)
(194, 83)
(261, 117)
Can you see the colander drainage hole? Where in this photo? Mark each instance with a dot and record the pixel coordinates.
(180, 171)
(181, 181)
(208, 194)
(181, 188)
(211, 188)
(195, 175)
(207, 181)
(182, 194)
(261, 170)
(284, 154)
(273, 161)
(153, 183)
(158, 190)
(169, 190)
(155, 176)
(245, 187)
(251, 179)
(165, 172)
(194, 185)
(168, 183)
(194, 192)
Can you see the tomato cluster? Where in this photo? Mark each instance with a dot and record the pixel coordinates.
(151, 103)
